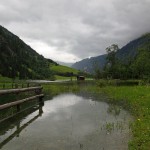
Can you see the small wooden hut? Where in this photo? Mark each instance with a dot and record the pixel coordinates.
(80, 78)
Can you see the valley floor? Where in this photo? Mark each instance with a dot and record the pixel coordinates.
(135, 99)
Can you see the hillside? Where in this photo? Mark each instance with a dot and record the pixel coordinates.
(63, 70)
(65, 64)
(89, 64)
(127, 52)
(18, 60)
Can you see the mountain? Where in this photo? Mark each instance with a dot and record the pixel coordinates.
(89, 64)
(19, 60)
(130, 50)
(127, 52)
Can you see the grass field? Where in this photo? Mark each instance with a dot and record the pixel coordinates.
(5, 79)
(57, 77)
(63, 69)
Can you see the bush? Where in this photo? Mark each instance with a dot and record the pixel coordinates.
(101, 83)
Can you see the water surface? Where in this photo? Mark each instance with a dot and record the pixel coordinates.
(70, 122)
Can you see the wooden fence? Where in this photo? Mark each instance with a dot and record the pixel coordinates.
(16, 85)
(38, 95)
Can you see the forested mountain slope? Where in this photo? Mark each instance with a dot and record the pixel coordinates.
(17, 59)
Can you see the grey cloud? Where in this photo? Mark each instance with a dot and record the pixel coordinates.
(81, 27)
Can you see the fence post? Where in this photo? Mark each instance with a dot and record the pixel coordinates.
(41, 102)
(28, 84)
(18, 127)
(18, 107)
(40, 110)
(12, 85)
(16, 86)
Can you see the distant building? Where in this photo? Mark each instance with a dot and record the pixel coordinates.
(80, 78)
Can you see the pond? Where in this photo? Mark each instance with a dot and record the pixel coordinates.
(69, 122)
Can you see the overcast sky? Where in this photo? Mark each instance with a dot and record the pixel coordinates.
(70, 30)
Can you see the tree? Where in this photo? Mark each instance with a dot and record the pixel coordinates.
(141, 65)
(110, 67)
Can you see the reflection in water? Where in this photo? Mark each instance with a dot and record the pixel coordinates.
(20, 128)
(72, 122)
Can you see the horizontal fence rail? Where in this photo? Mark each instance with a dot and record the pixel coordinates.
(8, 105)
(37, 95)
(16, 91)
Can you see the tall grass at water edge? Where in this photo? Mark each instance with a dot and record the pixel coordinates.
(137, 100)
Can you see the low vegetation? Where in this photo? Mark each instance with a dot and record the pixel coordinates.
(137, 100)
(63, 69)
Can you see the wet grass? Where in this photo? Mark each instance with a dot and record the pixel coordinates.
(57, 88)
(136, 99)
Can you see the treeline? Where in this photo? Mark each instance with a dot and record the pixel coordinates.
(133, 67)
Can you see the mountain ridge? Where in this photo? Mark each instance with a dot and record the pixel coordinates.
(127, 52)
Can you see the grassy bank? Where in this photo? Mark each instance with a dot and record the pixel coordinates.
(137, 100)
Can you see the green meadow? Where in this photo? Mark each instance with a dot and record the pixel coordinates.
(63, 69)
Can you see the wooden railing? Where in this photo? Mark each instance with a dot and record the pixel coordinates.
(38, 95)
(16, 85)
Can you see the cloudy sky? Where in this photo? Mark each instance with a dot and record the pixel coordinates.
(70, 30)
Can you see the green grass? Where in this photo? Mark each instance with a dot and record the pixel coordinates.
(57, 77)
(137, 100)
(56, 88)
(5, 79)
(63, 69)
